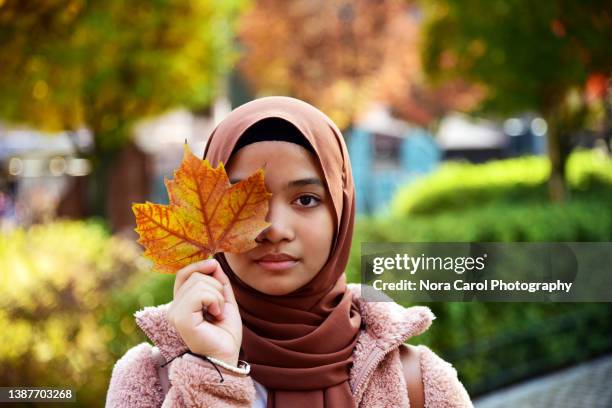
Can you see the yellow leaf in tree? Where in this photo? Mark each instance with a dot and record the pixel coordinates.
(206, 215)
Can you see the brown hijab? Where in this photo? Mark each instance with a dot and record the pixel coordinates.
(300, 345)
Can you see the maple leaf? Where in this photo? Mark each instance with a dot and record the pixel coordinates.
(207, 214)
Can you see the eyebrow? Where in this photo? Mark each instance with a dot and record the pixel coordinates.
(294, 183)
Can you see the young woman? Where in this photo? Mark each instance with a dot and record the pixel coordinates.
(283, 308)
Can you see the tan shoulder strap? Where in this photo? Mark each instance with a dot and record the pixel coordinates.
(162, 370)
(411, 364)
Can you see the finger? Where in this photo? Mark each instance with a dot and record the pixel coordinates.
(210, 267)
(192, 291)
(206, 266)
(213, 308)
(193, 288)
(195, 303)
(228, 292)
(200, 277)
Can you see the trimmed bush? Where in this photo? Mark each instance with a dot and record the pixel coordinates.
(456, 186)
(68, 294)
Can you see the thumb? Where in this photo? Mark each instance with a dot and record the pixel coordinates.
(228, 292)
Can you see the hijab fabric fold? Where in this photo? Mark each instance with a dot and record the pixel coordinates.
(300, 345)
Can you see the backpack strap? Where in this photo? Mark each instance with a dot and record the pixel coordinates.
(162, 369)
(411, 366)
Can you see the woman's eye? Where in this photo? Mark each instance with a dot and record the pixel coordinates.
(308, 200)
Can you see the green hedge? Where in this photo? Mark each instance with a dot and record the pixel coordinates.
(456, 186)
(494, 344)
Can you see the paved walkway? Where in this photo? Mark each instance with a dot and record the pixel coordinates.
(585, 385)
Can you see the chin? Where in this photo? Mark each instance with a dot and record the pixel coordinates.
(275, 287)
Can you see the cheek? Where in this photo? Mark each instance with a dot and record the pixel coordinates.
(318, 235)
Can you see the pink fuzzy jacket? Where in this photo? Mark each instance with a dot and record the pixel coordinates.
(376, 378)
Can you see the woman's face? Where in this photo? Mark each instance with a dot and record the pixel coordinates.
(300, 213)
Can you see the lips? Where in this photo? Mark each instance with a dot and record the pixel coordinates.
(276, 262)
(276, 258)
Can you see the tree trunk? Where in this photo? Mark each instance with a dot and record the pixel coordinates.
(559, 148)
(98, 187)
(129, 181)
(74, 204)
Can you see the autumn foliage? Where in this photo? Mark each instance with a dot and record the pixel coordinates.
(344, 56)
(206, 215)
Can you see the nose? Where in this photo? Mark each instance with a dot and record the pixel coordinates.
(280, 225)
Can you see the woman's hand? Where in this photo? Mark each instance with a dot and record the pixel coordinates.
(205, 313)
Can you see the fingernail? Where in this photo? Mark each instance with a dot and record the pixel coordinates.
(210, 262)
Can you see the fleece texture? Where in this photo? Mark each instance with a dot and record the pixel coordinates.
(376, 377)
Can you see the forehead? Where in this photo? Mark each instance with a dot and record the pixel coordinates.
(279, 158)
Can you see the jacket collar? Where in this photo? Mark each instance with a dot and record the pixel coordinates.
(385, 326)
(388, 323)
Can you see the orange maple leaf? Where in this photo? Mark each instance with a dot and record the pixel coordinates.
(206, 215)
